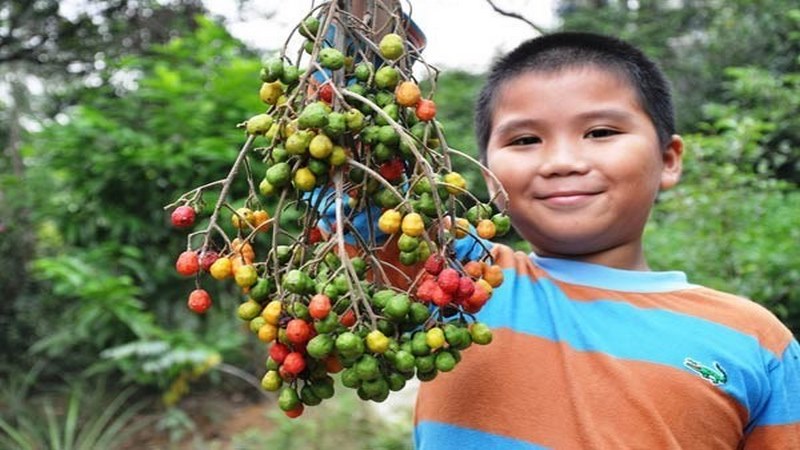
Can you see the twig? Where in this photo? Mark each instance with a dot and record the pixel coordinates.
(514, 15)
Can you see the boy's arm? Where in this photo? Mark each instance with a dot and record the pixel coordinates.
(777, 424)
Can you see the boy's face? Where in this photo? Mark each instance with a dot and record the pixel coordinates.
(581, 162)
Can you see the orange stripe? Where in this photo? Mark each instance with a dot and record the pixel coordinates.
(562, 398)
(777, 437)
(735, 312)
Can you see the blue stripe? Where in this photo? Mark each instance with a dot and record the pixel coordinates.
(438, 436)
(595, 275)
(784, 405)
(625, 331)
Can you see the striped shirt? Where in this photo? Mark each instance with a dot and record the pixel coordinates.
(590, 357)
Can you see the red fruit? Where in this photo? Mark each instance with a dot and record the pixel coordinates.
(314, 235)
(199, 301)
(348, 319)
(440, 297)
(319, 306)
(286, 375)
(325, 93)
(187, 264)
(333, 365)
(296, 412)
(434, 264)
(298, 331)
(392, 170)
(478, 298)
(278, 352)
(449, 280)
(465, 288)
(207, 259)
(426, 110)
(426, 290)
(183, 216)
(294, 363)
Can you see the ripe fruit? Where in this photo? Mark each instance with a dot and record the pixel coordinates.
(455, 183)
(221, 268)
(320, 146)
(407, 93)
(377, 342)
(245, 275)
(270, 93)
(391, 46)
(319, 306)
(426, 110)
(434, 264)
(486, 229)
(199, 301)
(413, 225)
(325, 92)
(278, 352)
(242, 218)
(304, 179)
(207, 259)
(183, 216)
(493, 275)
(188, 263)
(258, 124)
(389, 222)
(434, 338)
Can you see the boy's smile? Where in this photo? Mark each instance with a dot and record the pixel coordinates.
(581, 162)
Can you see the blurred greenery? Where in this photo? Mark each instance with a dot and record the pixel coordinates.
(86, 272)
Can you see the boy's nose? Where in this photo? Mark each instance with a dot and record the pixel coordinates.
(562, 158)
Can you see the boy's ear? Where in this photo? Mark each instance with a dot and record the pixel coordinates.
(492, 186)
(672, 158)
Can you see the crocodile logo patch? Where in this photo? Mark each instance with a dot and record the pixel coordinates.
(715, 375)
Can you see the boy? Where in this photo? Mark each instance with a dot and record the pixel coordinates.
(592, 350)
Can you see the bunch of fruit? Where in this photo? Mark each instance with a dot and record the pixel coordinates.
(367, 284)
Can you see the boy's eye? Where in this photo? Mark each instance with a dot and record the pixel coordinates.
(526, 140)
(601, 133)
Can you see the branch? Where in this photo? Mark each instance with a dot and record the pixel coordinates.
(516, 16)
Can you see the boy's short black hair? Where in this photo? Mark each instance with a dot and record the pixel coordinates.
(557, 51)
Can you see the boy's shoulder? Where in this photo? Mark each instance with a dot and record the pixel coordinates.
(667, 291)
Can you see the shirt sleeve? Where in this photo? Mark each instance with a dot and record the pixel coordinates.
(777, 424)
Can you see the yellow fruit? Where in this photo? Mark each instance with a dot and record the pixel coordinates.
(486, 229)
(413, 225)
(246, 275)
(272, 312)
(270, 92)
(391, 46)
(260, 220)
(242, 217)
(338, 156)
(389, 222)
(407, 93)
(455, 183)
(267, 332)
(461, 228)
(259, 124)
(304, 179)
(320, 147)
(377, 342)
(434, 338)
(221, 268)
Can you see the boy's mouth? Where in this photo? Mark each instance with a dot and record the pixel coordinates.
(566, 197)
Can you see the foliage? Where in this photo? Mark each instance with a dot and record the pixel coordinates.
(103, 277)
(85, 416)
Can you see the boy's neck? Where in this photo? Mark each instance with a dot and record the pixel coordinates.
(627, 257)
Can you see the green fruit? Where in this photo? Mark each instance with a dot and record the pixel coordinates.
(279, 175)
(249, 310)
(404, 361)
(297, 144)
(388, 136)
(266, 188)
(369, 135)
(445, 361)
(283, 253)
(419, 344)
(408, 258)
(502, 224)
(377, 388)
(258, 124)
(397, 307)
(427, 205)
(425, 363)
(273, 69)
(349, 345)
(337, 124)
(298, 282)
(308, 46)
(329, 324)
(338, 156)
(391, 46)
(288, 399)
(396, 381)
(261, 290)
(387, 77)
(383, 98)
(290, 75)
(383, 152)
(320, 346)
(418, 313)
(314, 115)
(407, 243)
(331, 58)
(279, 154)
(271, 381)
(271, 364)
(354, 119)
(309, 27)
(480, 333)
(380, 298)
(308, 397)
(427, 376)
(350, 378)
(359, 265)
(317, 167)
(390, 110)
(363, 71)
(387, 199)
(478, 212)
(367, 368)
(323, 388)
(298, 310)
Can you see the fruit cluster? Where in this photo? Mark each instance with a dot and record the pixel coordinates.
(365, 281)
